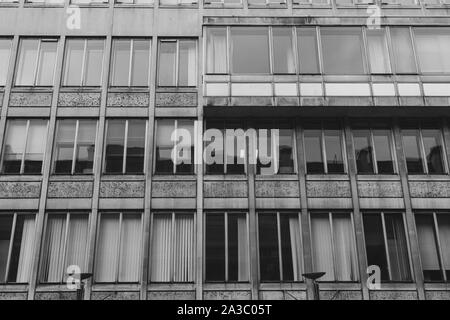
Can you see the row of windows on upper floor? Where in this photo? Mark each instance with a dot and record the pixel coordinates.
(238, 3)
(227, 150)
(234, 50)
(226, 246)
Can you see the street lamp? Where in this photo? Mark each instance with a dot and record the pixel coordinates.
(312, 277)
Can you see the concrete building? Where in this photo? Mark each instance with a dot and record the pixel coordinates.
(90, 92)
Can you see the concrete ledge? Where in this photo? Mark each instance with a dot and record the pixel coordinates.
(229, 203)
(114, 204)
(330, 203)
(170, 203)
(278, 203)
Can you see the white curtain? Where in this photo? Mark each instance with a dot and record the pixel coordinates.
(26, 250)
(77, 242)
(216, 51)
(294, 231)
(107, 253)
(444, 237)
(192, 65)
(427, 246)
(184, 249)
(53, 259)
(322, 246)
(161, 248)
(345, 249)
(130, 249)
(243, 263)
(397, 248)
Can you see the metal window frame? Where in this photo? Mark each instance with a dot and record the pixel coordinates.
(385, 32)
(424, 155)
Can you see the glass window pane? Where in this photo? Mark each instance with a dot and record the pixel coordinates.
(363, 151)
(65, 137)
(411, 149)
(333, 149)
(34, 154)
(130, 248)
(46, 64)
(26, 64)
(77, 242)
(346, 260)
(283, 51)
(428, 248)
(378, 51)
(84, 161)
(286, 151)
(5, 53)
(403, 51)
(140, 66)
(444, 238)
(187, 66)
(185, 148)
(216, 148)
(52, 268)
(433, 49)
(268, 247)
(164, 146)
(290, 247)
(115, 146)
(6, 222)
(308, 56)
(375, 247)
(107, 255)
(161, 248)
(184, 248)
(342, 50)
(73, 65)
(250, 47)
(322, 247)
(93, 63)
(238, 258)
(216, 47)
(136, 146)
(215, 247)
(235, 154)
(120, 64)
(313, 151)
(167, 63)
(432, 142)
(14, 146)
(382, 143)
(397, 248)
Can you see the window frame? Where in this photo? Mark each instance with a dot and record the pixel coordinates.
(8, 62)
(177, 64)
(300, 261)
(225, 214)
(125, 145)
(36, 61)
(119, 244)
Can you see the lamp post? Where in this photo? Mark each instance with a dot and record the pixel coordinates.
(312, 278)
(80, 290)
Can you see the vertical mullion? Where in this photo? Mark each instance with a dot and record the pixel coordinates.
(270, 40)
(374, 156)
(352, 221)
(172, 250)
(225, 217)
(438, 242)
(324, 152)
(75, 146)
(11, 240)
(66, 235)
(22, 164)
(333, 253)
(125, 146)
(388, 260)
(36, 66)
(175, 127)
(105, 144)
(130, 63)
(422, 151)
(392, 150)
(83, 63)
(149, 270)
(295, 51)
(280, 259)
(225, 160)
(177, 62)
(118, 248)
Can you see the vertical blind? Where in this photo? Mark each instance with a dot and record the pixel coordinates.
(26, 248)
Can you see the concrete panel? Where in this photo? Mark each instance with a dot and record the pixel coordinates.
(30, 99)
(171, 203)
(133, 21)
(69, 204)
(225, 189)
(171, 295)
(393, 295)
(176, 99)
(274, 189)
(55, 296)
(225, 203)
(429, 189)
(19, 189)
(381, 203)
(70, 189)
(79, 99)
(278, 203)
(121, 203)
(178, 22)
(227, 295)
(328, 189)
(349, 101)
(340, 295)
(380, 189)
(19, 204)
(271, 295)
(13, 295)
(330, 203)
(174, 189)
(122, 189)
(115, 296)
(437, 295)
(119, 99)
(427, 203)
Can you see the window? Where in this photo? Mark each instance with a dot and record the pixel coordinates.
(16, 247)
(130, 63)
(176, 2)
(373, 150)
(334, 246)
(174, 146)
(342, 50)
(226, 247)
(324, 143)
(308, 55)
(64, 244)
(403, 50)
(36, 62)
(283, 50)
(378, 51)
(173, 247)
(433, 232)
(280, 248)
(83, 62)
(5, 54)
(24, 146)
(125, 146)
(250, 50)
(177, 63)
(433, 49)
(216, 47)
(74, 147)
(424, 151)
(387, 246)
(118, 247)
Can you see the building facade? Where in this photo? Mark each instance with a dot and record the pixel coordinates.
(91, 181)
